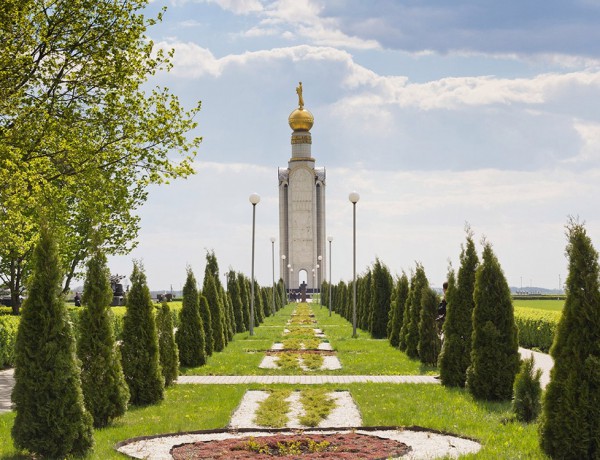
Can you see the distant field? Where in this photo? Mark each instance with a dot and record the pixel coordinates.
(546, 304)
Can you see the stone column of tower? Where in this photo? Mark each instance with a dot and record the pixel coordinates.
(302, 236)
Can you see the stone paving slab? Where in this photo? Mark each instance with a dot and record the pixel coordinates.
(6, 385)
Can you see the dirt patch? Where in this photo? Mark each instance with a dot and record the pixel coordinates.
(288, 447)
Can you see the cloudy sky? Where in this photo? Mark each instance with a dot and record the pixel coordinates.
(438, 113)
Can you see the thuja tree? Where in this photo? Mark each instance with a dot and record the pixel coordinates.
(429, 340)
(190, 337)
(210, 291)
(104, 389)
(245, 295)
(169, 353)
(230, 317)
(281, 294)
(397, 312)
(141, 360)
(381, 295)
(570, 426)
(411, 326)
(494, 352)
(458, 327)
(234, 290)
(51, 419)
(363, 301)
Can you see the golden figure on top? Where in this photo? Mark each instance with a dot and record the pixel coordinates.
(300, 98)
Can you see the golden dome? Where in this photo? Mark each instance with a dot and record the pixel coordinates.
(301, 120)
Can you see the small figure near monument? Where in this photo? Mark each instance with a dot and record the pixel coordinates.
(300, 98)
(77, 300)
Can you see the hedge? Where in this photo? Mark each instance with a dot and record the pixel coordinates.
(536, 327)
(9, 325)
(8, 335)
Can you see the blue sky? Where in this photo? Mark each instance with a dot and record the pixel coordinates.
(438, 113)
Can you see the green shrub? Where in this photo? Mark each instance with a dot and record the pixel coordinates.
(536, 327)
(8, 335)
(51, 419)
(397, 312)
(410, 329)
(495, 348)
(570, 427)
(381, 287)
(190, 336)
(169, 355)
(102, 380)
(429, 341)
(527, 396)
(5, 310)
(141, 362)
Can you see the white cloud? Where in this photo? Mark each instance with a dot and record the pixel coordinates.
(239, 6)
(590, 149)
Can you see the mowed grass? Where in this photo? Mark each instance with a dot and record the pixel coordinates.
(197, 407)
(359, 356)
(546, 304)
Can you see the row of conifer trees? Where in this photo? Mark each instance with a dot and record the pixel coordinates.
(480, 338)
(68, 382)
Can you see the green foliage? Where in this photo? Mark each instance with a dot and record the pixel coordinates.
(396, 318)
(272, 412)
(234, 289)
(8, 336)
(190, 337)
(429, 340)
(141, 360)
(104, 389)
(527, 402)
(570, 427)
(494, 349)
(364, 292)
(455, 356)
(51, 419)
(317, 404)
(381, 294)
(169, 354)
(536, 327)
(215, 304)
(82, 134)
(410, 329)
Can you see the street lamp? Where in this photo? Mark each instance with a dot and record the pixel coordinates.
(330, 239)
(273, 263)
(354, 197)
(254, 199)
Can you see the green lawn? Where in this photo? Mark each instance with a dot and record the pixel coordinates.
(196, 407)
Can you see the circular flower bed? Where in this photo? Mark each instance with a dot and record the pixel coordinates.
(281, 446)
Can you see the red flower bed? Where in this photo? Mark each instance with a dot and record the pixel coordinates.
(281, 446)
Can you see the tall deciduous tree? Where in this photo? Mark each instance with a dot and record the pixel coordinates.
(495, 348)
(190, 335)
(51, 419)
(455, 357)
(141, 360)
(104, 388)
(570, 427)
(80, 132)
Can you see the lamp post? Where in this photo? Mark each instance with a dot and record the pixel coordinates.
(273, 263)
(354, 197)
(330, 239)
(254, 199)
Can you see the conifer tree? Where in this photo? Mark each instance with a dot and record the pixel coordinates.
(266, 301)
(245, 294)
(494, 350)
(397, 314)
(363, 301)
(570, 427)
(230, 316)
(190, 336)
(407, 313)
(141, 360)
(412, 326)
(211, 289)
(51, 419)
(455, 357)
(527, 402)
(169, 353)
(381, 294)
(104, 388)
(258, 305)
(234, 289)
(429, 341)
